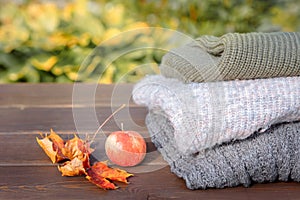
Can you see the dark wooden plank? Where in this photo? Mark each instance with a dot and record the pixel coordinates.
(62, 119)
(47, 94)
(21, 149)
(46, 182)
(27, 173)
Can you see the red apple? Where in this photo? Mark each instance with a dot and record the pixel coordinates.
(125, 148)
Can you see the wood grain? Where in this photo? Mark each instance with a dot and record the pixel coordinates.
(27, 173)
(51, 95)
(22, 150)
(45, 182)
(61, 118)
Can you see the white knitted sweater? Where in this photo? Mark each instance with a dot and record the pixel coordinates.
(206, 114)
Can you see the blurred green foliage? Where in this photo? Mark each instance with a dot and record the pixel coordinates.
(50, 41)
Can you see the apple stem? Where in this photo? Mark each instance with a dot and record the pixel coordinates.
(122, 127)
(107, 119)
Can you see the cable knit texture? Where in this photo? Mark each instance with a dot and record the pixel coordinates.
(205, 114)
(263, 157)
(235, 56)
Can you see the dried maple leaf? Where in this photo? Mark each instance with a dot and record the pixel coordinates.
(58, 145)
(100, 181)
(75, 167)
(99, 174)
(114, 174)
(76, 148)
(75, 153)
(47, 146)
(52, 145)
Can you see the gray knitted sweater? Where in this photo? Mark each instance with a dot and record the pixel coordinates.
(263, 157)
(235, 56)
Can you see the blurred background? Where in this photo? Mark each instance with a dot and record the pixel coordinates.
(50, 41)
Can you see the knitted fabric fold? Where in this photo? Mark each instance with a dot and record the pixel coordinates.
(263, 157)
(235, 56)
(203, 115)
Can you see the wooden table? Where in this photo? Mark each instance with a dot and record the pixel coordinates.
(27, 173)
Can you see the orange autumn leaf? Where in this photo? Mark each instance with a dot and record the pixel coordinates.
(101, 169)
(76, 153)
(52, 145)
(72, 168)
(47, 146)
(75, 167)
(58, 145)
(100, 174)
(76, 148)
(100, 181)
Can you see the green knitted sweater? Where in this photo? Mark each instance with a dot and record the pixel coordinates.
(235, 56)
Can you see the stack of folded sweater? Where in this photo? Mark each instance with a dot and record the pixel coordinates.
(225, 111)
